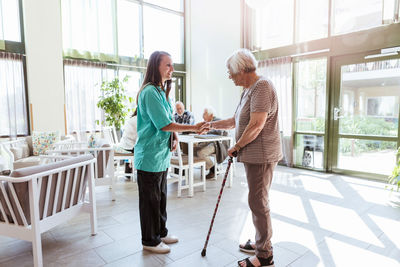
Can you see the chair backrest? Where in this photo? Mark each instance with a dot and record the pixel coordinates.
(104, 155)
(110, 134)
(60, 185)
(177, 155)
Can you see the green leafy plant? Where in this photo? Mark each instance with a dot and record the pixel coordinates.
(394, 178)
(113, 102)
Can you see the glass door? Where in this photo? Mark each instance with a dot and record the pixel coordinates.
(310, 113)
(365, 115)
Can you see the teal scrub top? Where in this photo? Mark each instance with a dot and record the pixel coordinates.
(154, 112)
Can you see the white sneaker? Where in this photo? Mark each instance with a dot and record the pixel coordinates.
(169, 239)
(159, 249)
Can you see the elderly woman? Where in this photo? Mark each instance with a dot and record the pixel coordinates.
(257, 145)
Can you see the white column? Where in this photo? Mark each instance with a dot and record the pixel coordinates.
(44, 63)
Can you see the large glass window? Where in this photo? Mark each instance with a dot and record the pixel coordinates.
(312, 17)
(370, 98)
(310, 114)
(349, 16)
(163, 31)
(89, 29)
(311, 95)
(13, 113)
(273, 23)
(10, 20)
(82, 90)
(128, 29)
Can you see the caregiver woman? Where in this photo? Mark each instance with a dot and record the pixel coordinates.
(153, 151)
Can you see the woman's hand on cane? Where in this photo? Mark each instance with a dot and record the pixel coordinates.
(232, 152)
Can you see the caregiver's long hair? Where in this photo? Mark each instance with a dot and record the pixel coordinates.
(153, 75)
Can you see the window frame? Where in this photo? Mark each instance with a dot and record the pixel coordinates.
(19, 48)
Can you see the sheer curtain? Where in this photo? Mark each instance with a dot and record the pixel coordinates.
(82, 90)
(89, 29)
(279, 71)
(13, 112)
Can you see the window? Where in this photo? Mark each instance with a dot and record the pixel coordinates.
(82, 90)
(312, 16)
(89, 30)
(128, 29)
(122, 30)
(277, 23)
(349, 16)
(13, 112)
(13, 99)
(166, 36)
(10, 21)
(273, 24)
(384, 106)
(311, 95)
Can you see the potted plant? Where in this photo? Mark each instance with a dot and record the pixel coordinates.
(113, 102)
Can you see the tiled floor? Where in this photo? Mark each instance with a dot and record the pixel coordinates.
(318, 220)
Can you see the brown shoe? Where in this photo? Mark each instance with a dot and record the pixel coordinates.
(211, 174)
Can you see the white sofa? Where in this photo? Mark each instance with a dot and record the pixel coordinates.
(19, 153)
(35, 199)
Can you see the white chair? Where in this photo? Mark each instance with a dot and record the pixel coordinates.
(110, 134)
(34, 200)
(104, 165)
(181, 163)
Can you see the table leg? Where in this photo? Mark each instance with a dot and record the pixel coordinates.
(190, 152)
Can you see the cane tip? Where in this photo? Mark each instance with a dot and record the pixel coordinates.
(203, 253)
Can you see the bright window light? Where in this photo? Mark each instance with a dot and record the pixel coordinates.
(163, 31)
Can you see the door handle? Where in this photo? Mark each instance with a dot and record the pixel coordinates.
(336, 112)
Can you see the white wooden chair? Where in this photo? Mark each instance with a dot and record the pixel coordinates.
(181, 163)
(110, 134)
(35, 199)
(104, 165)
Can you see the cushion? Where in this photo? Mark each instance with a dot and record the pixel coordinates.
(28, 140)
(26, 162)
(43, 141)
(6, 161)
(17, 152)
(26, 152)
(22, 191)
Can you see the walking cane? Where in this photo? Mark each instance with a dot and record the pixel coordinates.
(203, 252)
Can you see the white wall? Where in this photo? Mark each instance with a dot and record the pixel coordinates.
(42, 25)
(214, 27)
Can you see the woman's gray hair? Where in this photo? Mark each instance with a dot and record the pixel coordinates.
(241, 60)
(209, 110)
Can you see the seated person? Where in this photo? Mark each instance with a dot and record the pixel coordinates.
(128, 139)
(181, 115)
(205, 150)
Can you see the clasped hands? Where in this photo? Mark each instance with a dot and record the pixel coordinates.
(203, 127)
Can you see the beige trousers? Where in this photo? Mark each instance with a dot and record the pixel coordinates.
(205, 154)
(259, 179)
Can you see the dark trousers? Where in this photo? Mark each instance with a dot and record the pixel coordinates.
(152, 206)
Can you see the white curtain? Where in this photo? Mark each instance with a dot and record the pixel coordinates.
(279, 71)
(82, 90)
(13, 112)
(89, 29)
